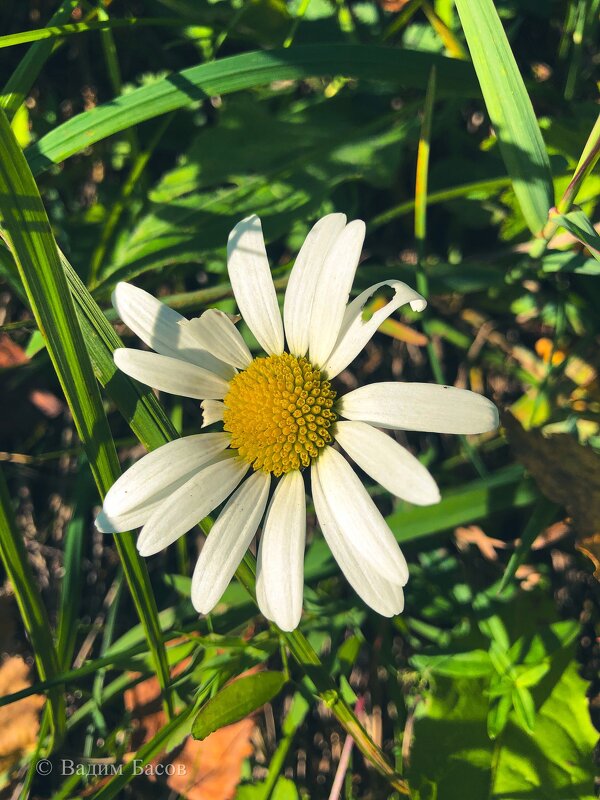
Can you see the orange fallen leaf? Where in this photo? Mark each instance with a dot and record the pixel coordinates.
(202, 770)
(11, 355)
(19, 722)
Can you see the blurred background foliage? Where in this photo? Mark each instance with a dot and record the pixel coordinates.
(487, 685)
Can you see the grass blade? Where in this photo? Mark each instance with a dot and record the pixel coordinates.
(510, 110)
(31, 606)
(22, 79)
(33, 246)
(403, 67)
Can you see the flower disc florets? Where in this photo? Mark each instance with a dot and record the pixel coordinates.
(279, 412)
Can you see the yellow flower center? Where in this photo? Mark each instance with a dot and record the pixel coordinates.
(279, 412)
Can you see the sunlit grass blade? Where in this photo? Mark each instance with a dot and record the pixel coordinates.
(22, 79)
(409, 68)
(32, 243)
(33, 612)
(510, 110)
(542, 515)
(60, 31)
(578, 224)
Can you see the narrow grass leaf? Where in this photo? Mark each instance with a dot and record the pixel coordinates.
(35, 252)
(33, 612)
(510, 110)
(578, 224)
(30, 66)
(182, 89)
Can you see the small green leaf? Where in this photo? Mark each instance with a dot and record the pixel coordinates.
(498, 716)
(577, 223)
(475, 664)
(236, 701)
(532, 675)
(524, 707)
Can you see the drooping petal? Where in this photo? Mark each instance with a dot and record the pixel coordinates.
(170, 374)
(212, 411)
(387, 462)
(132, 498)
(229, 539)
(385, 597)
(220, 337)
(252, 284)
(333, 291)
(420, 407)
(280, 561)
(356, 332)
(163, 329)
(190, 503)
(358, 516)
(304, 280)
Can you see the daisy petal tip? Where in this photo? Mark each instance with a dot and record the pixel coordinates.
(103, 523)
(418, 305)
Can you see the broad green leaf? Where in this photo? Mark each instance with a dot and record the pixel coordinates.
(284, 789)
(236, 701)
(578, 223)
(510, 110)
(30, 238)
(524, 707)
(184, 89)
(474, 664)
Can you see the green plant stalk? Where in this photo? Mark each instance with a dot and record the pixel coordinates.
(32, 243)
(587, 161)
(33, 612)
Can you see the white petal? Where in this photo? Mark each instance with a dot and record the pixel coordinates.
(131, 499)
(304, 280)
(190, 503)
(220, 337)
(356, 332)
(229, 539)
(385, 597)
(170, 375)
(420, 407)
(163, 329)
(387, 462)
(280, 562)
(333, 291)
(358, 517)
(252, 284)
(212, 411)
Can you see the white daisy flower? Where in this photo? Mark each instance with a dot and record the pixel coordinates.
(281, 417)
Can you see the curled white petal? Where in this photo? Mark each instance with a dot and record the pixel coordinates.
(333, 291)
(358, 516)
(229, 539)
(384, 596)
(304, 281)
(356, 332)
(420, 407)
(163, 329)
(387, 462)
(130, 501)
(190, 503)
(280, 562)
(220, 337)
(212, 411)
(170, 374)
(252, 284)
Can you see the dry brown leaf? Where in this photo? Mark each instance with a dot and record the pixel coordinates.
(47, 403)
(211, 769)
(567, 473)
(473, 534)
(19, 722)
